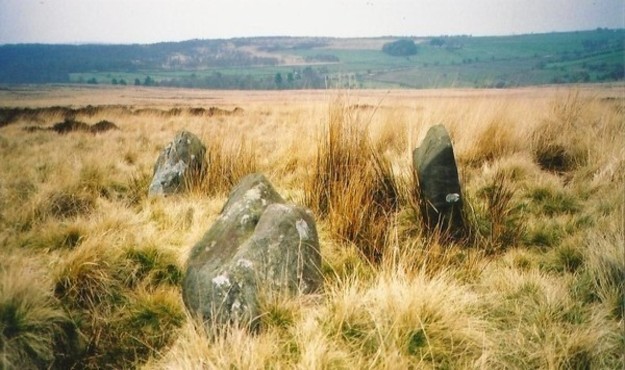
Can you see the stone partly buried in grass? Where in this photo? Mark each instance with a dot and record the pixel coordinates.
(258, 245)
(439, 186)
(180, 163)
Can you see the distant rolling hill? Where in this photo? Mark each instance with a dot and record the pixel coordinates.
(307, 62)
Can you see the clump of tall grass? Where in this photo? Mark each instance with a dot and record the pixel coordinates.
(86, 279)
(539, 324)
(560, 142)
(35, 331)
(433, 254)
(79, 195)
(603, 275)
(52, 236)
(147, 323)
(69, 203)
(235, 349)
(122, 300)
(407, 321)
(497, 217)
(150, 266)
(227, 161)
(135, 190)
(352, 185)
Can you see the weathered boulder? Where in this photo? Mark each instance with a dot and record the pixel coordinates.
(257, 244)
(181, 162)
(439, 186)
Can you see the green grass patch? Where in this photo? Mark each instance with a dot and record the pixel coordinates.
(551, 202)
(150, 266)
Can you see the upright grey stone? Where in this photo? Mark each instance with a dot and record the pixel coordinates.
(439, 186)
(181, 161)
(257, 244)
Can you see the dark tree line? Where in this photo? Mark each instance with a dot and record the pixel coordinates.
(38, 63)
(306, 78)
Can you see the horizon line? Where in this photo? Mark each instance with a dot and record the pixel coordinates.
(106, 43)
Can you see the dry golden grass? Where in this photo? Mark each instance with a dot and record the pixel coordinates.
(352, 185)
(91, 267)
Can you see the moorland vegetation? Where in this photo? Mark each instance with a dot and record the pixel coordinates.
(91, 267)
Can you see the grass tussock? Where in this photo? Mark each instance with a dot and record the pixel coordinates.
(228, 160)
(68, 204)
(35, 330)
(124, 301)
(352, 184)
(151, 266)
(148, 322)
(91, 268)
(604, 271)
(86, 279)
(413, 320)
(496, 217)
(540, 325)
(558, 142)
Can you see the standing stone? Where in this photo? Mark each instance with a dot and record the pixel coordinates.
(257, 244)
(439, 187)
(180, 162)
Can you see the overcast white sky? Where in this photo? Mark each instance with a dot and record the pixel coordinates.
(147, 21)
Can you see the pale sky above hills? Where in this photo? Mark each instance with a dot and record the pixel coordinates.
(147, 21)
